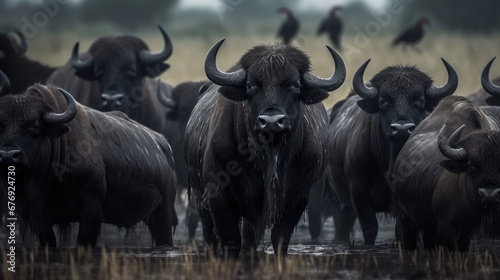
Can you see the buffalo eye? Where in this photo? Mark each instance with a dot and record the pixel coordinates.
(295, 88)
(251, 88)
(420, 102)
(98, 73)
(383, 104)
(132, 72)
(472, 168)
(33, 127)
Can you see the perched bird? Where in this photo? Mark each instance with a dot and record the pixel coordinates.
(412, 35)
(289, 27)
(333, 25)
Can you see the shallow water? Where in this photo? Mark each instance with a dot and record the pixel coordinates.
(323, 259)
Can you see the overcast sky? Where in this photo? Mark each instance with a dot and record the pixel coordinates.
(306, 4)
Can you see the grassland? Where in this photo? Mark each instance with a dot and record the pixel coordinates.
(391, 263)
(468, 54)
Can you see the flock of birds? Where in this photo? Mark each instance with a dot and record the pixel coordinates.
(333, 26)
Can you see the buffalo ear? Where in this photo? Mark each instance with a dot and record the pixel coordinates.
(172, 114)
(370, 107)
(431, 103)
(203, 89)
(492, 101)
(453, 166)
(156, 69)
(56, 130)
(313, 95)
(233, 93)
(86, 74)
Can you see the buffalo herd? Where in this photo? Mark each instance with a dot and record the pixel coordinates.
(101, 139)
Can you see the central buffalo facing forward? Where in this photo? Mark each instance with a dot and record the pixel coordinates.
(76, 164)
(255, 145)
(367, 131)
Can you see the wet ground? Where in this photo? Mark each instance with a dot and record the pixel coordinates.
(128, 255)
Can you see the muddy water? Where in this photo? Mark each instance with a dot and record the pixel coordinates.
(323, 259)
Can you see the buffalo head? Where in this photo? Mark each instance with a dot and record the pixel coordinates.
(120, 64)
(401, 95)
(28, 123)
(9, 45)
(476, 155)
(274, 80)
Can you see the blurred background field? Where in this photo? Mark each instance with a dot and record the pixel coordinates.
(465, 33)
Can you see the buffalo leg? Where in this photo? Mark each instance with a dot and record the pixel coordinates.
(314, 210)
(429, 238)
(160, 225)
(47, 237)
(364, 211)
(282, 231)
(344, 219)
(226, 217)
(192, 218)
(463, 241)
(208, 230)
(249, 237)
(445, 236)
(90, 221)
(407, 232)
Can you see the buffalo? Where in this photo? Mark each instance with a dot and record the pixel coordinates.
(116, 74)
(446, 178)
(180, 104)
(255, 145)
(367, 131)
(76, 164)
(21, 71)
(490, 94)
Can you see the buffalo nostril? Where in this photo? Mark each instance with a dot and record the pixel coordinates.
(105, 97)
(120, 99)
(281, 121)
(402, 128)
(10, 155)
(483, 192)
(262, 121)
(411, 129)
(394, 129)
(16, 155)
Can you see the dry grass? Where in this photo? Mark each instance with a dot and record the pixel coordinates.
(467, 54)
(83, 264)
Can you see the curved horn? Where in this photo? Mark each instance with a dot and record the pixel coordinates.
(449, 88)
(4, 84)
(164, 99)
(445, 144)
(368, 93)
(148, 58)
(218, 77)
(487, 83)
(23, 45)
(332, 83)
(77, 63)
(66, 116)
